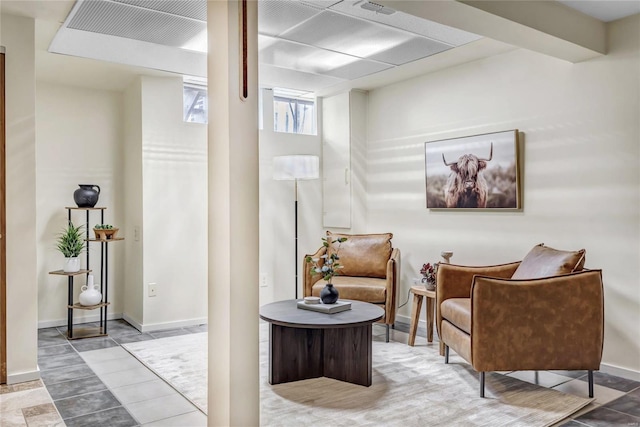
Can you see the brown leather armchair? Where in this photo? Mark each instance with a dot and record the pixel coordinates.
(543, 313)
(370, 273)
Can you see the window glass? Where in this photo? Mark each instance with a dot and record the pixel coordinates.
(195, 106)
(294, 112)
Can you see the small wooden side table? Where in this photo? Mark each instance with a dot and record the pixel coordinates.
(419, 292)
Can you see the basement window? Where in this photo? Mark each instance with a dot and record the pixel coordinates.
(294, 111)
(195, 105)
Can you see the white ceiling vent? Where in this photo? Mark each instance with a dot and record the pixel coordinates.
(378, 8)
(194, 9)
(124, 19)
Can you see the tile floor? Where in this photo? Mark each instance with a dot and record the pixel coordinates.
(95, 382)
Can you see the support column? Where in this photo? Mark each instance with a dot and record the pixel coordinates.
(234, 397)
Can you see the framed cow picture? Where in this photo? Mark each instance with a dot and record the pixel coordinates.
(473, 172)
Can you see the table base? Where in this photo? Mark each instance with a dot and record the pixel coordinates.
(343, 354)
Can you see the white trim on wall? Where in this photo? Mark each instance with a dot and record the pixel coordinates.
(23, 377)
(165, 325)
(78, 320)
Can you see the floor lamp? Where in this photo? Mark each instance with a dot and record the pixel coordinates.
(296, 168)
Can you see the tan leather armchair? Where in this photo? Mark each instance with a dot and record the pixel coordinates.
(370, 273)
(543, 313)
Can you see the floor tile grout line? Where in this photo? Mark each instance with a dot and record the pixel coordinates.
(619, 412)
(87, 393)
(104, 410)
(73, 379)
(134, 384)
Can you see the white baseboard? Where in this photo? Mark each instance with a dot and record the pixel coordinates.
(407, 321)
(620, 372)
(170, 325)
(132, 322)
(77, 320)
(23, 377)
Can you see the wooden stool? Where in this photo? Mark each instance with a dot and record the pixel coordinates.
(419, 292)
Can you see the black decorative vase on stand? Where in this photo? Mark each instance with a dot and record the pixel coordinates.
(329, 294)
(86, 196)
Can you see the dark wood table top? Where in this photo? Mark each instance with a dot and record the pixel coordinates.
(287, 313)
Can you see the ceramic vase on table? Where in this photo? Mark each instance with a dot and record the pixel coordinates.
(86, 196)
(90, 294)
(430, 285)
(329, 294)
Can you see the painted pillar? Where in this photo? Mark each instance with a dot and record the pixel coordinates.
(18, 35)
(234, 398)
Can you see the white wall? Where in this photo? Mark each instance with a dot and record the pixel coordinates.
(133, 281)
(79, 141)
(277, 219)
(22, 290)
(174, 202)
(581, 175)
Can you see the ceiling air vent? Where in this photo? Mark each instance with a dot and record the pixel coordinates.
(378, 8)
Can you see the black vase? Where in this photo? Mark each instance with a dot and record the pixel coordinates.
(86, 196)
(329, 294)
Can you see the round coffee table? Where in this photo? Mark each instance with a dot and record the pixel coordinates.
(307, 344)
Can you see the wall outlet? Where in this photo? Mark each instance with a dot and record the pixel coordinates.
(152, 290)
(263, 281)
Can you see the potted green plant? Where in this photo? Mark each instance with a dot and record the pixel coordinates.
(71, 243)
(105, 231)
(328, 266)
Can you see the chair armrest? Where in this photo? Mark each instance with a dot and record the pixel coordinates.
(308, 278)
(549, 323)
(393, 279)
(454, 281)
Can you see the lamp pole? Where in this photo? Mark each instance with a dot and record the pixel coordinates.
(295, 186)
(295, 168)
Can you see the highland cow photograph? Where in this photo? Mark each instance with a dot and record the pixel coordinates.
(473, 172)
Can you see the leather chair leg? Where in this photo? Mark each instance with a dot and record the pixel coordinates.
(446, 354)
(481, 384)
(387, 332)
(590, 383)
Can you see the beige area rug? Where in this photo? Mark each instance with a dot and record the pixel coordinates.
(411, 387)
(181, 361)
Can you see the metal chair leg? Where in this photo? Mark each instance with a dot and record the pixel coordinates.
(481, 384)
(590, 383)
(387, 333)
(446, 353)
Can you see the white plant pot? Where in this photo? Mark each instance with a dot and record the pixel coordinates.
(71, 265)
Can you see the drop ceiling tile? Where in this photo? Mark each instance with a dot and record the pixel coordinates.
(423, 27)
(341, 33)
(277, 16)
(413, 49)
(118, 19)
(273, 76)
(195, 9)
(287, 54)
(357, 69)
(322, 4)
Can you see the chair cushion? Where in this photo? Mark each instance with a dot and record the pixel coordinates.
(543, 261)
(363, 255)
(365, 289)
(458, 312)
